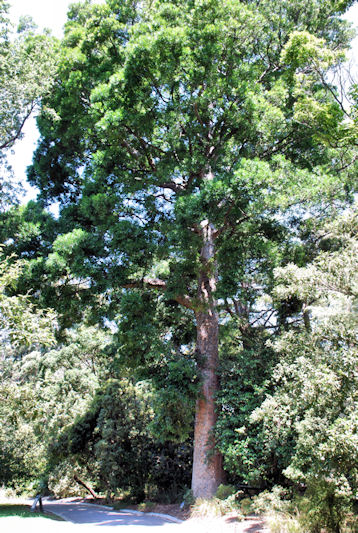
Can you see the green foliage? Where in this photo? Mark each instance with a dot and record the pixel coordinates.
(23, 325)
(27, 65)
(320, 508)
(123, 449)
(224, 491)
(155, 341)
(27, 62)
(246, 369)
(188, 498)
(278, 499)
(312, 413)
(52, 387)
(60, 480)
(113, 439)
(27, 231)
(327, 504)
(146, 506)
(246, 506)
(280, 510)
(10, 190)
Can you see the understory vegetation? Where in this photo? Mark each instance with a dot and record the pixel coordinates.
(184, 328)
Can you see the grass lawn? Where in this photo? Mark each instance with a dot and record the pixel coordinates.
(23, 511)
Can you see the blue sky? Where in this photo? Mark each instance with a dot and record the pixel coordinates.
(52, 14)
(49, 14)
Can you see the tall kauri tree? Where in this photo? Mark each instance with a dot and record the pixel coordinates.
(177, 138)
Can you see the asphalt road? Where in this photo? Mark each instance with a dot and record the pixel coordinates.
(87, 518)
(96, 515)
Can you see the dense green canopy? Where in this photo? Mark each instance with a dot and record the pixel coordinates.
(185, 141)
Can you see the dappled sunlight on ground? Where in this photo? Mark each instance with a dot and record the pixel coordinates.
(86, 518)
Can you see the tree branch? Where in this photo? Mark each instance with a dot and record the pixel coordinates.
(172, 186)
(16, 136)
(156, 283)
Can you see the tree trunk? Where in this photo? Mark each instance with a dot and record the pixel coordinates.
(207, 464)
(80, 482)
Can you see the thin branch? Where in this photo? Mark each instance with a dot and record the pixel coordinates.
(329, 88)
(131, 150)
(267, 70)
(228, 309)
(347, 165)
(14, 138)
(227, 225)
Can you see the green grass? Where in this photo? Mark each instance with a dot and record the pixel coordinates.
(24, 511)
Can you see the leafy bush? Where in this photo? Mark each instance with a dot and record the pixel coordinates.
(61, 481)
(325, 505)
(42, 392)
(113, 437)
(246, 506)
(188, 498)
(146, 506)
(277, 500)
(245, 376)
(311, 417)
(224, 491)
(278, 509)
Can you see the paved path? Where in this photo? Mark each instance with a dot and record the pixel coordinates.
(86, 518)
(97, 515)
(78, 512)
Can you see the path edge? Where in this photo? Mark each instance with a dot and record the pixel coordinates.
(160, 515)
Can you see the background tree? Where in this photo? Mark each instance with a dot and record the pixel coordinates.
(24, 328)
(26, 71)
(310, 418)
(21, 323)
(42, 390)
(182, 141)
(27, 65)
(112, 444)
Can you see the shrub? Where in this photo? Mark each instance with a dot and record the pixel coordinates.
(215, 507)
(325, 506)
(113, 437)
(188, 498)
(61, 481)
(246, 506)
(276, 500)
(224, 491)
(146, 506)
(283, 523)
